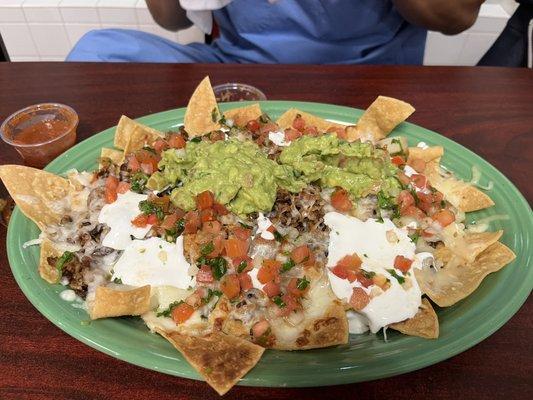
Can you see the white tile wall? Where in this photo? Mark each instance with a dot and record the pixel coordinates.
(47, 29)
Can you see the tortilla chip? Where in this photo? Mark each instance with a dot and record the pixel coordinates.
(383, 115)
(462, 195)
(242, 115)
(116, 156)
(47, 271)
(455, 282)
(131, 135)
(424, 324)
(221, 359)
(39, 194)
(285, 121)
(427, 155)
(113, 302)
(202, 112)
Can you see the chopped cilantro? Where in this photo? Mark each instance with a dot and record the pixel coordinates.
(245, 226)
(380, 219)
(210, 294)
(207, 248)
(242, 266)
(368, 274)
(196, 139)
(302, 283)
(65, 258)
(168, 311)
(278, 301)
(147, 208)
(365, 255)
(278, 236)
(399, 143)
(414, 237)
(443, 203)
(287, 266)
(399, 278)
(149, 149)
(138, 182)
(172, 234)
(264, 118)
(214, 115)
(219, 267)
(118, 281)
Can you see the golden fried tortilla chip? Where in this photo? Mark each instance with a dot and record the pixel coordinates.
(383, 115)
(40, 195)
(116, 156)
(48, 271)
(285, 121)
(202, 112)
(462, 195)
(242, 115)
(221, 359)
(424, 324)
(427, 154)
(131, 135)
(454, 282)
(116, 301)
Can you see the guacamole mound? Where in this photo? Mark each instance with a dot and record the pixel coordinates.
(357, 167)
(239, 174)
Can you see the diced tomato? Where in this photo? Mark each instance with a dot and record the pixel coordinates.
(272, 289)
(292, 134)
(230, 286)
(123, 187)
(292, 288)
(111, 185)
(363, 280)
(268, 127)
(160, 145)
(398, 160)
(359, 299)
(194, 300)
(253, 126)
(310, 130)
(220, 209)
(300, 254)
(340, 200)
(351, 262)
(192, 222)
(291, 304)
(218, 246)
(212, 227)
(152, 219)
(412, 211)
(204, 275)
(310, 260)
(425, 197)
(444, 217)
(242, 233)
(237, 264)
(402, 263)
(260, 328)
(418, 164)
(133, 164)
(344, 273)
(405, 199)
(216, 136)
(404, 179)
(147, 168)
(268, 271)
(182, 312)
(420, 181)
(298, 123)
(147, 157)
(245, 281)
(205, 200)
(169, 221)
(140, 221)
(236, 248)
(340, 131)
(176, 141)
(207, 215)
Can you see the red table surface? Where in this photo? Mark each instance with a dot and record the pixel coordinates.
(488, 110)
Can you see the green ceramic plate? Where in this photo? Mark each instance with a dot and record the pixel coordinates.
(367, 356)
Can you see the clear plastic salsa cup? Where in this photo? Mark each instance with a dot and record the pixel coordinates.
(237, 92)
(41, 132)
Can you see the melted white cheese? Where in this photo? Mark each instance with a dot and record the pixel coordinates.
(68, 295)
(263, 223)
(422, 145)
(118, 216)
(255, 281)
(409, 171)
(278, 138)
(155, 262)
(369, 241)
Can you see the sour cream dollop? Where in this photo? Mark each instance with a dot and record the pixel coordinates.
(371, 241)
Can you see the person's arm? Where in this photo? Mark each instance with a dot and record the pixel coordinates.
(447, 16)
(168, 14)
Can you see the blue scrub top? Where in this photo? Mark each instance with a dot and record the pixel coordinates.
(284, 31)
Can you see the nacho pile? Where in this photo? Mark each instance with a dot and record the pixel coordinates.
(237, 233)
